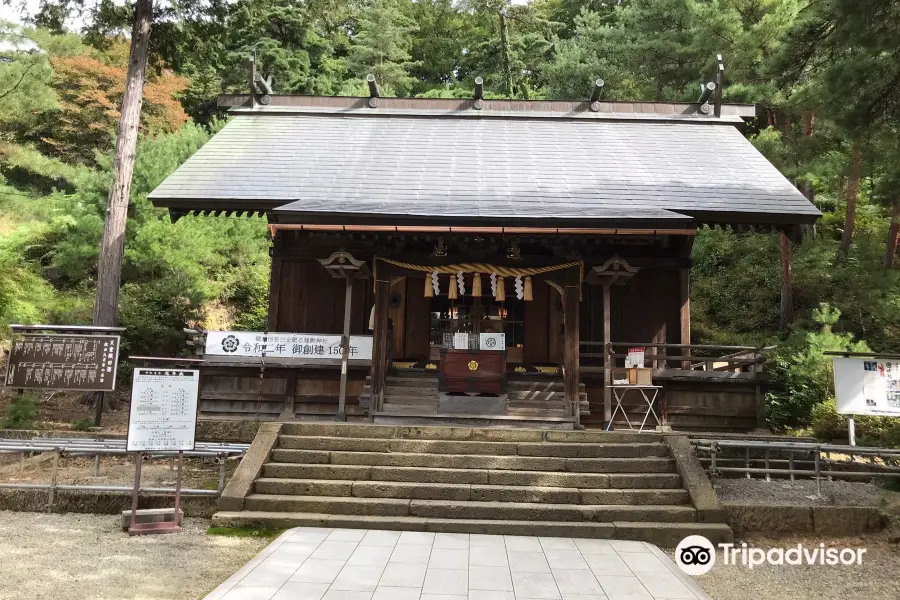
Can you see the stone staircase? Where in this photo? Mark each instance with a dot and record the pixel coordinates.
(457, 479)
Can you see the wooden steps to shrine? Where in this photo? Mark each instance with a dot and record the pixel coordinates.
(472, 480)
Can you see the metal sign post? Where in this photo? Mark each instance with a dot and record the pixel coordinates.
(163, 418)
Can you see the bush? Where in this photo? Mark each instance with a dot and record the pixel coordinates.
(21, 413)
(82, 424)
(828, 425)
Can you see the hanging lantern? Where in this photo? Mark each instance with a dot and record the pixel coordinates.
(461, 282)
(528, 291)
(499, 293)
(476, 284)
(451, 293)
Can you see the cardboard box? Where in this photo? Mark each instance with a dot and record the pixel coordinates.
(640, 376)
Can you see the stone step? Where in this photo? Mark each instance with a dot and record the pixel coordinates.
(464, 433)
(665, 535)
(543, 449)
(474, 492)
(455, 509)
(473, 476)
(466, 461)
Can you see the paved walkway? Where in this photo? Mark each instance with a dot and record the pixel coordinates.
(355, 564)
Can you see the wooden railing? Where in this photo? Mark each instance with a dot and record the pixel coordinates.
(693, 357)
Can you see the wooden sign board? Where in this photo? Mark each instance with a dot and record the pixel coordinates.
(55, 361)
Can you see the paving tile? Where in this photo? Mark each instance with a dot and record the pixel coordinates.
(403, 575)
(480, 539)
(570, 581)
(292, 551)
(488, 556)
(334, 550)
(451, 541)
(346, 595)
(301, 591)
(490, 578)
(410, 554)
(565, 559)
(594, 546)
(665, 585)
(442, 597)
(251, 593)
(370, 556)
(396, 593)
(416, 537)
(317, 571)
(446, 581)
(269, 573)
(357, 578)
(628, 546)
(623, 588)
(445, 558)
(380, 538)
(643, 563)
(584, 597)
(347, 535)
(490, 595)
(517, 543)
(608, 564)
(535, 585)
(557, 543)
(528, 562)
(315, 535)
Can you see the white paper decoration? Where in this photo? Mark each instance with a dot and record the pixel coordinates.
(520, 289)
(461, 283)
(435, 284)
(493, 284)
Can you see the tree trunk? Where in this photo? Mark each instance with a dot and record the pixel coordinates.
(891, 250)
(504, 56)
(852, 189)
(787, 278)
(112, 248)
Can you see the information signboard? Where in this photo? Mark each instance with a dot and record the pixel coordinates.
(314, 346)
(867, 386)
(163, 410)
(58, 361)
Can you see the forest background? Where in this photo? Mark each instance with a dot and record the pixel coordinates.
(825, 75)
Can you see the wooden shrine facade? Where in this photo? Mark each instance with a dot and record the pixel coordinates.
(566, 227)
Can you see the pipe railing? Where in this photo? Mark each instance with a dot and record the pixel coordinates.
(79, 447)
(704, 357)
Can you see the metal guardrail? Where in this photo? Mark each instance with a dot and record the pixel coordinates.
(219, 452)
(806, 450)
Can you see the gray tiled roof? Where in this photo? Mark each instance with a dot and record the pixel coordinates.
(333, 167)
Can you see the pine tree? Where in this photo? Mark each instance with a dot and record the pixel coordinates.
(381, 46)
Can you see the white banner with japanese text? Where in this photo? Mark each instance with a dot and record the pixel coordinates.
(285, 345)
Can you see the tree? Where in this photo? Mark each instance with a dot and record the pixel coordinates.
(381, 46)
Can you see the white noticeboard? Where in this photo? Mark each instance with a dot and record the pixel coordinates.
(460, 341)
(634, 358)
(163, 410)
(285, 345)
(492, 341)
(866, 386)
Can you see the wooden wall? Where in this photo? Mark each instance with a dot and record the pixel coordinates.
(310, 300)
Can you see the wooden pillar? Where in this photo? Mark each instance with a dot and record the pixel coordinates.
(787, 277)
(685, 275)
(607, 359)
(275, 281)
(571, 354)
(345, 352)
(379, 342)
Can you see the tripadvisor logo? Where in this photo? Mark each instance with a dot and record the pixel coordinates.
(696, 555)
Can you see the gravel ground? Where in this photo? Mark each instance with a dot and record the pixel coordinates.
(875, 579)
(81, 557)
(778, 491)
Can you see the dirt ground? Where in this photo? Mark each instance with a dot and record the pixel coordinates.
(88, 557)
(875, 579)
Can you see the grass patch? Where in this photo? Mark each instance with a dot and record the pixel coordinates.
(262, 532)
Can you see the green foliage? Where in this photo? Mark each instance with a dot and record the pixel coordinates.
(381, 46)
(827, 425)
(82, 425)
(263, 532)
(21, 413)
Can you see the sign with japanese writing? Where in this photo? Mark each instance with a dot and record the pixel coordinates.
(163, 410)
(285, 345)
(867, 386)
(85, 363)
(492, 341)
